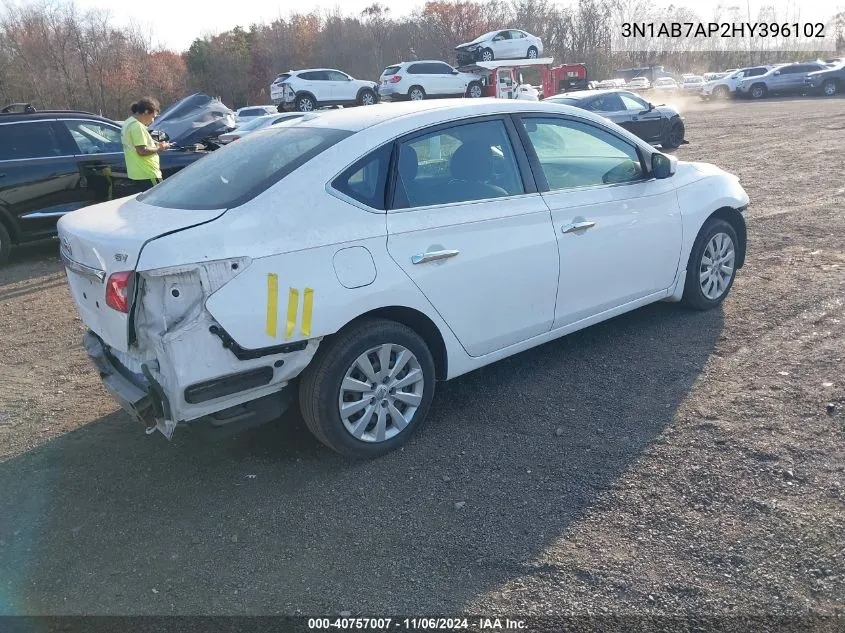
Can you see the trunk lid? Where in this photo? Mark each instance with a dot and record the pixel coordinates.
(103, 239)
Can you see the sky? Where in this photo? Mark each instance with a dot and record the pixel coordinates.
(175, 24)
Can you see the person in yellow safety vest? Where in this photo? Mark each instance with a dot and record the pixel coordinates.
(139, 149)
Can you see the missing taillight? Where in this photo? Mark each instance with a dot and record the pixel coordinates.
(117, 291)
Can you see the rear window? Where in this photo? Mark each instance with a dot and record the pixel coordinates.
(29, 140)
(235, 174)
(253, 112)
(391, 70)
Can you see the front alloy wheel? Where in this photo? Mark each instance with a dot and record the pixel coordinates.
(716, 268)
(475, 91)
(487, 55)
(712, 265)
(829, 88)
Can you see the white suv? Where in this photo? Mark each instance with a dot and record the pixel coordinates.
(425, 79)
(313, 88)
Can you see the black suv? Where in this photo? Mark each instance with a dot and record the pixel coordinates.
(55, 161)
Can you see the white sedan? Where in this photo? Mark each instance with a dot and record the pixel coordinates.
(354, 258)
(504, 44)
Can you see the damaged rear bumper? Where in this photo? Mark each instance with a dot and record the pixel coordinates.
(134, 393)
(146, 401)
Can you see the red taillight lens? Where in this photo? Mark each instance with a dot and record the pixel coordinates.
(117, 291)
(395, 79)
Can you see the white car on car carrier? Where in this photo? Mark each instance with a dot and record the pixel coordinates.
(307, 90)
(354, 258)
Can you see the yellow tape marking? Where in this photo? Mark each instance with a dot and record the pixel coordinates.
(293, 307)
(272, 303)
(307, 307)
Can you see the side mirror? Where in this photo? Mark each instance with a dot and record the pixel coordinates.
(777, 72)
(454, 72)
(662, 166)
(650, 106)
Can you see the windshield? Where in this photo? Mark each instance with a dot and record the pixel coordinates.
(563, 100)
(237, 173)
(486, 36)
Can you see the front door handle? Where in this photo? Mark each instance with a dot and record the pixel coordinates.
(578, 226)
(432, 256)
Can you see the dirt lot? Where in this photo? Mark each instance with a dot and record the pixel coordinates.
(664, 462)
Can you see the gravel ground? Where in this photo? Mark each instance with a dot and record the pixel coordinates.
(665, 462)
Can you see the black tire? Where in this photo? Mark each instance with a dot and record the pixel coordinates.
(366, 97)
(758, 91)
(532, 49)
(5, 245)
(474, 90)
(320, 387)
(487, 55)
(416, 90)
(830, 88)
(675, 136)
(694, 296)
(721, 93)
(305, 103)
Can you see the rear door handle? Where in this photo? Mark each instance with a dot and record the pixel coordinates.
(432, 256)
(578, 226)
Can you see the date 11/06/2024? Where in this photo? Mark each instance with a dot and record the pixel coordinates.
(814, 30)
(416, 624)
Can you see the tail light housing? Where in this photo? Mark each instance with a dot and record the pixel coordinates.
(395, 79)
(117, 291)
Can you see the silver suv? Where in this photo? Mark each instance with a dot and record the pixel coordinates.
(726, 86)
(785, 79)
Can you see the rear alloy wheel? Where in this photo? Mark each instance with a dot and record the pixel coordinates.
(305, 103)
(367, 97)
(487, 55)
(416, 93)
(712, 266)
(532, 52)
(829, 88)
(369, 389)
(474, 91)
(758, 91)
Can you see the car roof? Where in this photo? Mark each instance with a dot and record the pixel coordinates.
(357, 119)
(419, 61)
(586, 94)
(40, 115)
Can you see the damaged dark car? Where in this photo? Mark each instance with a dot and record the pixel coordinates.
(657, 124)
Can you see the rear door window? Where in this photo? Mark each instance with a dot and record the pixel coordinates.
(92, 137)
(237, 173)
(36, 139)
(472, 161)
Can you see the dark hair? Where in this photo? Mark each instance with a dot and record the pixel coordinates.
(146, 105)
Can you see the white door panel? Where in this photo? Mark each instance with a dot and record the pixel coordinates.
(628, 248)
(498, 288)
